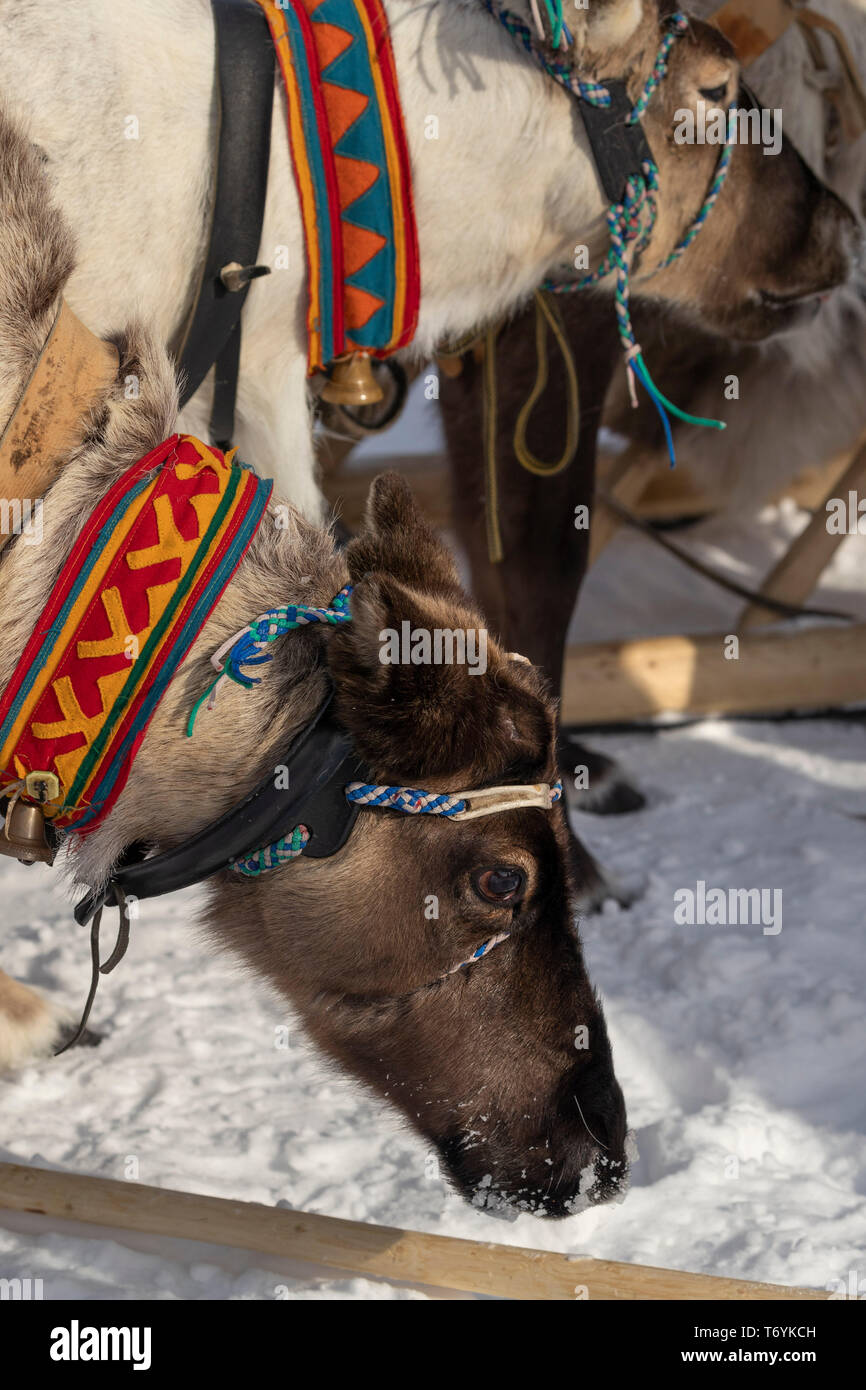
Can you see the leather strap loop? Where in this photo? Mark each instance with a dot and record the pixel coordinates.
(74, 370)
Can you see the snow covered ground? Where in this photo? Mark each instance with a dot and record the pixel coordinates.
(741, 1053)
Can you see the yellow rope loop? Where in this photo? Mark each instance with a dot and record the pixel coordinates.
(548, 316)
(495, 551)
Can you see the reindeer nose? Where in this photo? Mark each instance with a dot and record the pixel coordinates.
(576, 1161)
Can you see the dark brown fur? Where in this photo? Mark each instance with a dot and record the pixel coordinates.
(483, 1062)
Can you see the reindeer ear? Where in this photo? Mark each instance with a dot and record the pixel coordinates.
(396, 540)
(416, 717)
(602, 27)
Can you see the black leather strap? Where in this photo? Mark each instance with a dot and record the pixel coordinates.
(245, 95)
(319, 764)
(225, 390)
(619, 149)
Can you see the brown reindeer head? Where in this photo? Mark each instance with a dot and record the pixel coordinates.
(503, 1064)
(777, 239)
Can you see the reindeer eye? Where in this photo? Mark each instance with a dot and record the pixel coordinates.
(502, 885)
(715, 95)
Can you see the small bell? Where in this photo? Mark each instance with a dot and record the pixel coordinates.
(24, 836)
(352, 382)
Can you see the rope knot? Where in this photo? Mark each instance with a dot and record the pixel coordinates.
(248, 647)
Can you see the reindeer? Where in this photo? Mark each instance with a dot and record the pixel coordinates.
(503, 196)
(692, 347)
(498, 1057)
(800, 393)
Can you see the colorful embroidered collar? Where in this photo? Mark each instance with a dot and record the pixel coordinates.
(143, 577)
(351, 166)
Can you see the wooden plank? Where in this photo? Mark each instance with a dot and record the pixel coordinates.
(504, 1271)
(673, 495)
(810, 488)
(613, 682)
(800, 568)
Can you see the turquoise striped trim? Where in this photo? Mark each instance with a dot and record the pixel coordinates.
(185, 637)
(53, 632)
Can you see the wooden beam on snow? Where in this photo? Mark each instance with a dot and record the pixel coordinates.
(381, 1252)
(775, 673)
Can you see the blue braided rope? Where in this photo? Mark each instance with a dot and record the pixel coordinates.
(633, 221)
(410, 800)
(718, 183)
(375, 797)
(677, 26)
(250, 646)
(477, 954)
(249, 649)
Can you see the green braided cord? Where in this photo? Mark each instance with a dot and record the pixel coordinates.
(283, 852)
(709, 203)
(248, 647)
(593, 92)
(641, 192)
(679, 25)
(554, 14)
(634, 219)
(190, 723)
(626, 329)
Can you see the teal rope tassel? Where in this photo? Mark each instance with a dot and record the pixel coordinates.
(554, 14)
(636, 366)
(633, 220)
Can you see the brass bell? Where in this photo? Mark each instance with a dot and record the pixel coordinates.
(352, 382)
(24, 836)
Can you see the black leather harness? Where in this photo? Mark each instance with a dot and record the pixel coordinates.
(317, 767)
(619, 147)
(310, 791)
(245, 64)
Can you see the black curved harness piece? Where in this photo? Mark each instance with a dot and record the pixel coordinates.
(316, 768)
(245, 95)
(619, 147)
